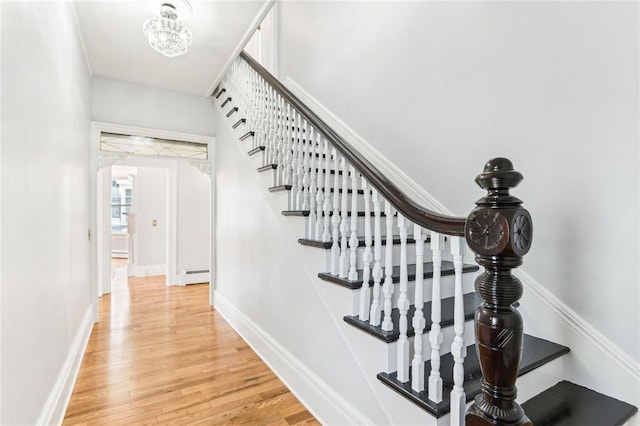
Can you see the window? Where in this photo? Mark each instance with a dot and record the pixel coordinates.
(121, 204)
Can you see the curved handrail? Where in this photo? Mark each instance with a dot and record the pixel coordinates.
(406, 206)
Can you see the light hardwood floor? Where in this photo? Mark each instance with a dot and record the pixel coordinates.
(162, 355)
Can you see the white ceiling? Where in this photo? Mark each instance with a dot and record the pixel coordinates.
(116, 47)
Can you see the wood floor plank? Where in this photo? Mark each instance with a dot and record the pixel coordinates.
(162, 355)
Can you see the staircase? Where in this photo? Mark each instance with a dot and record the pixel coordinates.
(403, 268)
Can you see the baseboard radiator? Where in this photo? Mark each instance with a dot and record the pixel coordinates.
(194, 276)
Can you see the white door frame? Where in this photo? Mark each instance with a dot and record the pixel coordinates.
(101, 269)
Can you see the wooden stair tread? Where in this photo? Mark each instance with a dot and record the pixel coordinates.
(256, 150)
(267, 167)
(280, 188)
(288, 187)
(247, 135)
(306, 213)
(275, 166)
(328, 244)
(447, 269)
(471, 302)
(567, 404)
(239, 122)
(536, 352)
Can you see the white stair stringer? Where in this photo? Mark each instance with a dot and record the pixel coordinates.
(295, 274)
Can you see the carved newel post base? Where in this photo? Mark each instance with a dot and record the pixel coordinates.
(499, 231)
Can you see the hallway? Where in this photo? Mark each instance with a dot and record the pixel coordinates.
(162, 355)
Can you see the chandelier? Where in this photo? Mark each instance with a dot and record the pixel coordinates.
(165, 33)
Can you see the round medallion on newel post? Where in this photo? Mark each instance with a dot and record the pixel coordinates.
(499, 231)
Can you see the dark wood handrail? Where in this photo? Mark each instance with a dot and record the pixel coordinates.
(406, 206)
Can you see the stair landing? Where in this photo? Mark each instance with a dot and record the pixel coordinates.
(567, 404)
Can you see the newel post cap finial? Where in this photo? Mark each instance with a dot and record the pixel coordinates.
(498, 177)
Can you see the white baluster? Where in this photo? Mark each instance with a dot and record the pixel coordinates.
(458, 348)
(291, 136)
(387, 287)
(375, 314)
(353, 240)
(306, 177)
(367, 257)
(265, 125)
(251, 118)
(419, 323)
(320, 192)
(435, 335)
(281, 171)
(314, 186)
(335, 218)
(403, 304)
(259, 136)
(257, 125)
(343, 264)
(271, 126)
(326, 207)
(301, 165)
(286, 144)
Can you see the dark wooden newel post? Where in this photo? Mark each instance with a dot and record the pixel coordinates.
(499, 231)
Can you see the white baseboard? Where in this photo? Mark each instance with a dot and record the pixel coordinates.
(58, 400)
(581, 326)
(550, 318)
(316, 395)
(150, 270)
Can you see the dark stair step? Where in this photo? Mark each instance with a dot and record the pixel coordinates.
(447, 269)
(267, 167)
(536, 352)
(288, 188)
(329, 244)
(306, 213)
(247, 135)
(256, 150)
(232, 111)
(471, 302)
(275, 166)
(567, 404)
(220, 92)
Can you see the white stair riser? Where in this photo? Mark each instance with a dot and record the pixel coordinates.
(447, 289)
(411, 255)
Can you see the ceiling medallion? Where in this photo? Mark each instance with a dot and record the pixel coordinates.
(165, 33)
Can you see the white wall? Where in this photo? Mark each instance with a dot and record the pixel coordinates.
(150, 201)
(552, 86)
(46, 282)
(193, 224)
(119, 102)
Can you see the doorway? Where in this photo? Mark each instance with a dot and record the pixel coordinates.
(141, 218)
(153, 212)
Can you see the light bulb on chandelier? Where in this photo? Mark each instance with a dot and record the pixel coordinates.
(165, 33)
